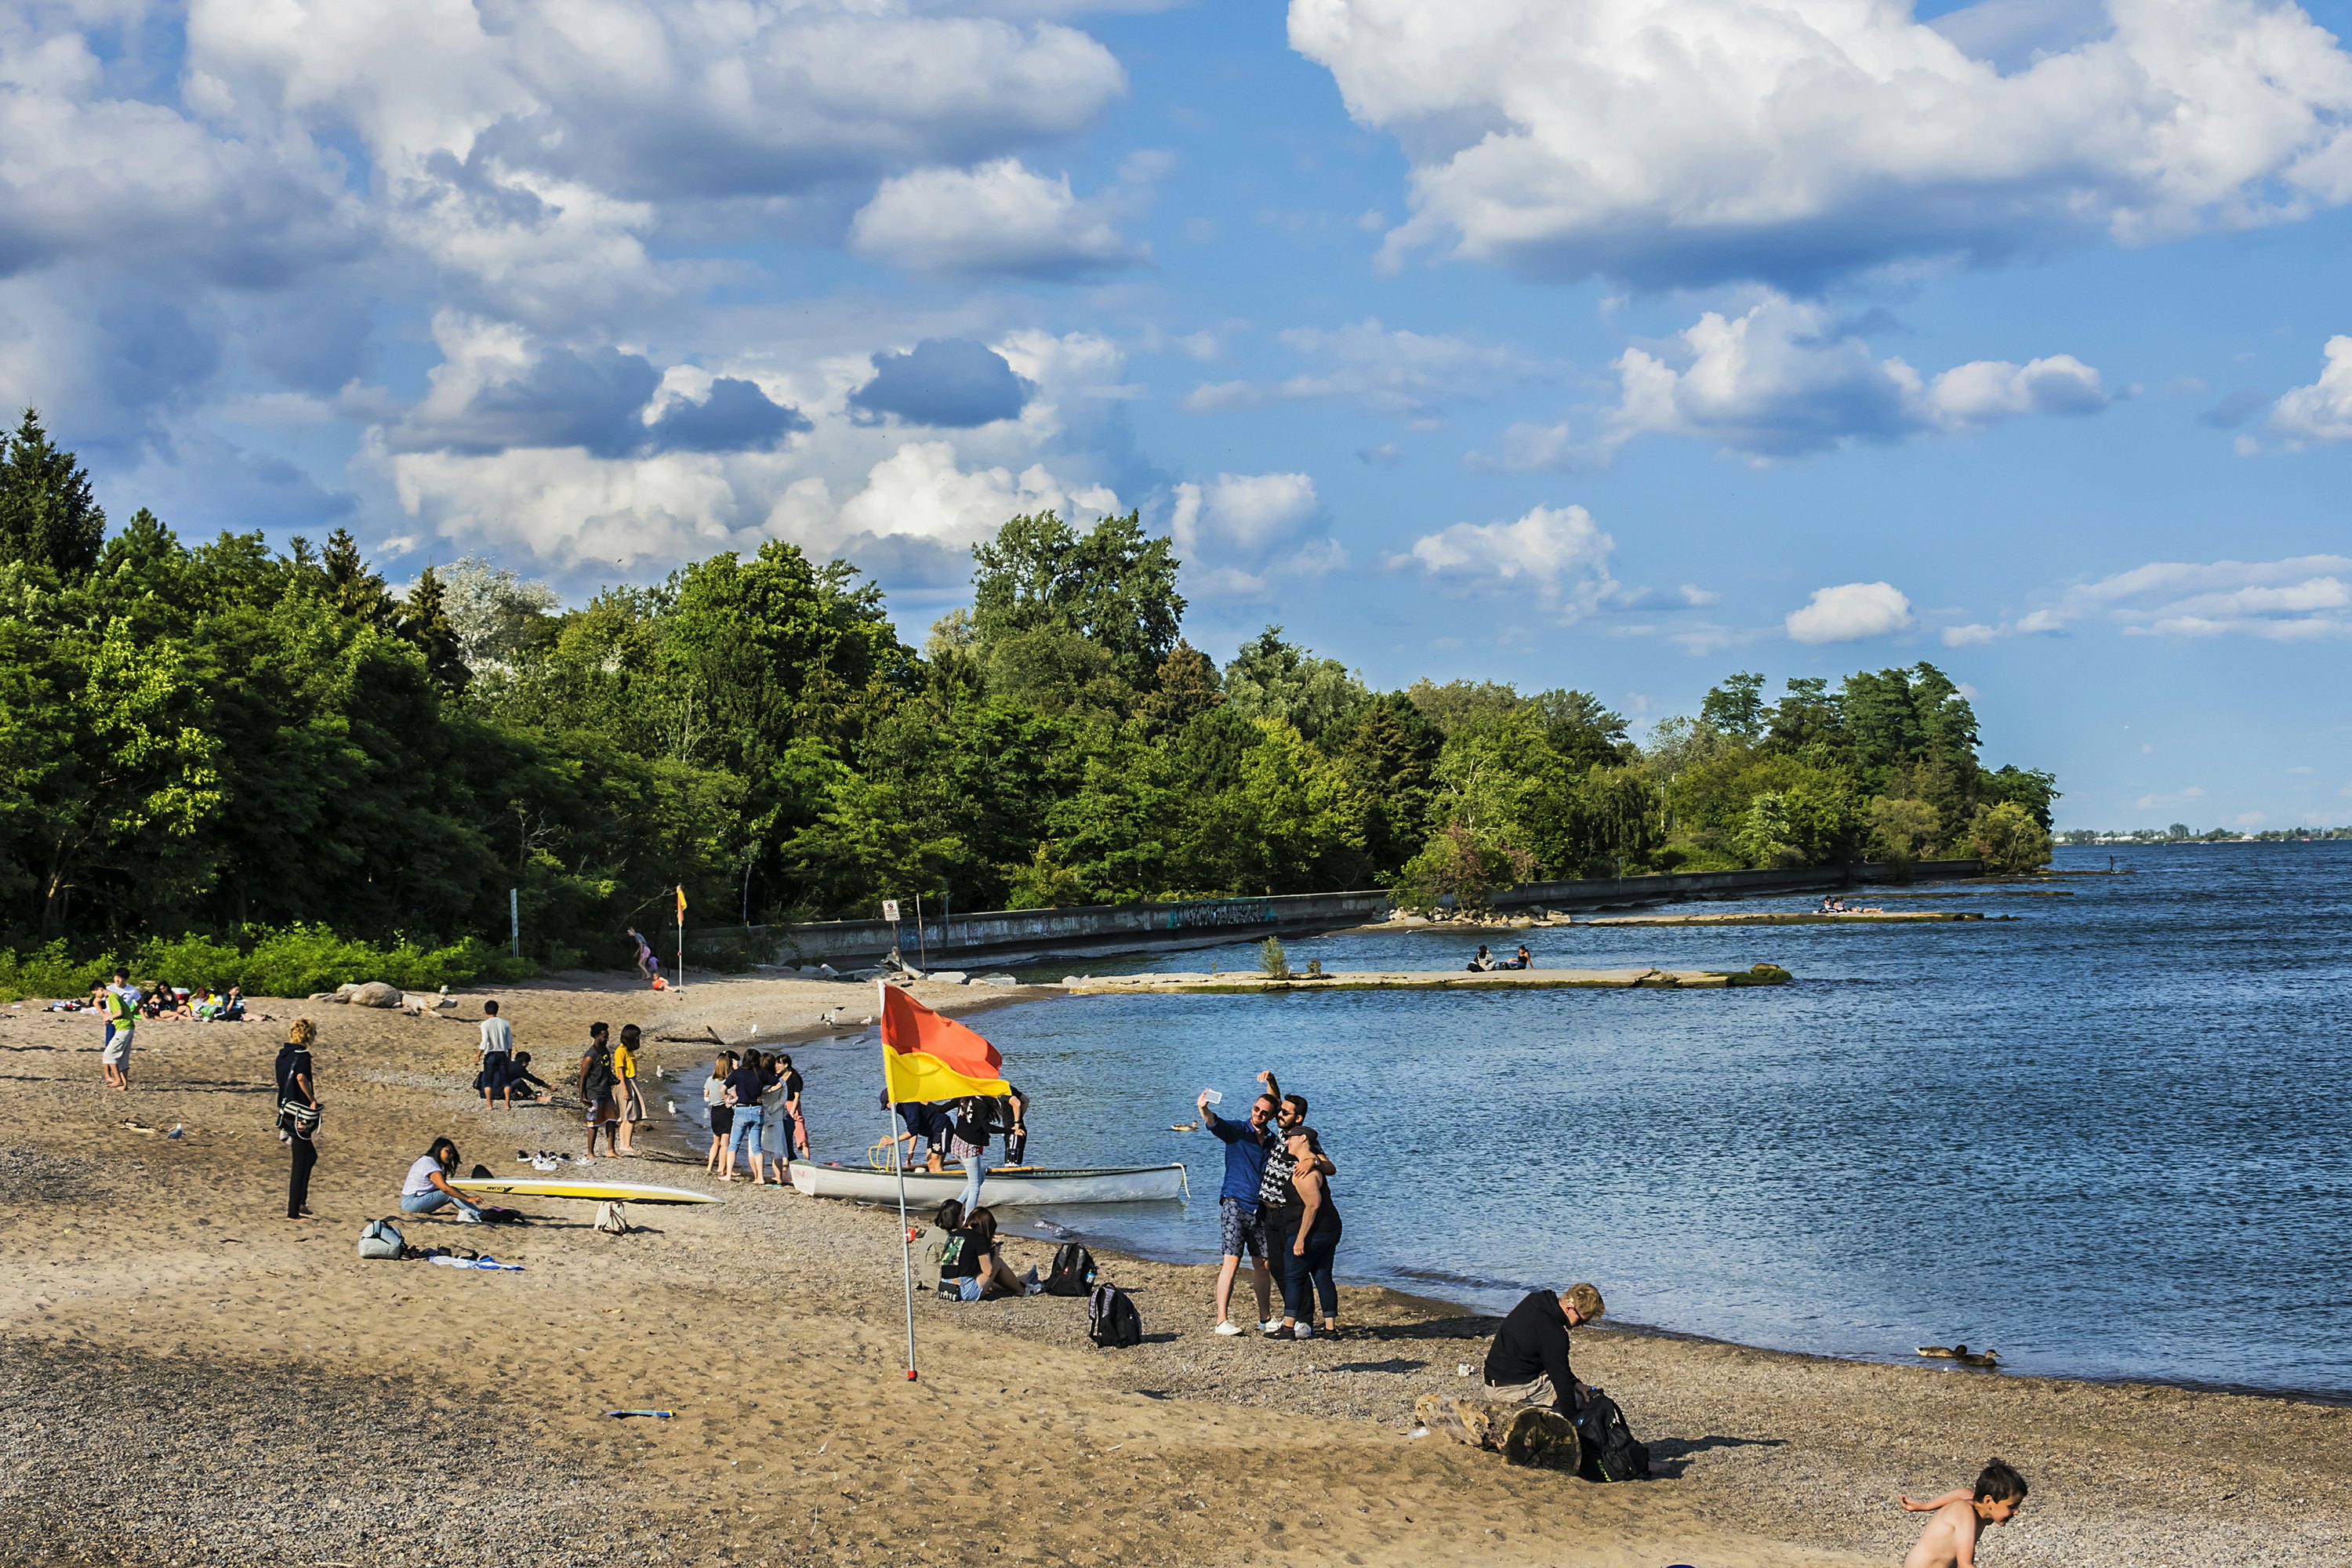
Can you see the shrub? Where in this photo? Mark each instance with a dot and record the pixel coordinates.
(1272, 960)
(293, 961)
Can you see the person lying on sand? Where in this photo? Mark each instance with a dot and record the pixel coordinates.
(1950, 1539)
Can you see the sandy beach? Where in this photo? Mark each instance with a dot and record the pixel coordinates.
(186, 1377)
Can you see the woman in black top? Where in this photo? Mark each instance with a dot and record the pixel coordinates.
(298, 1112)
(1303, 1232)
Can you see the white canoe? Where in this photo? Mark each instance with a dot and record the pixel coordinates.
(1005, 1186)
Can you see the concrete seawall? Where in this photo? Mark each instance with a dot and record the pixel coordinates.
(1005, 936)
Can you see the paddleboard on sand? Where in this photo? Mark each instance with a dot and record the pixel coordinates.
(601, 1192)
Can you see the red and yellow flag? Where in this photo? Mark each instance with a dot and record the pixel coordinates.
(926, 1057)
(681, 903)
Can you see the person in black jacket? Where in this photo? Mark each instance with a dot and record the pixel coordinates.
(298, 1112)
(1527, 1363)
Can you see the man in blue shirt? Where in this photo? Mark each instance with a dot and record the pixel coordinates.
(1237, 1217)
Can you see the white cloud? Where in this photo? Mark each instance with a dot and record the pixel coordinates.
(1681, 140)
(1239, 532)
(2304, 598)
(1559, 549)
(1969, 635)
(1001, 217)
(2322, 411)
(1851, 611)
(1388, 371)
(1783, 379)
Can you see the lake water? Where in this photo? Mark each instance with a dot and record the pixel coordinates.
(2110, 1138)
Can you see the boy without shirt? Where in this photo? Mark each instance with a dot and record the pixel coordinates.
(1950, 1539)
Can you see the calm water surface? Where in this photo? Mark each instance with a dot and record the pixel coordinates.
(2109, 1138)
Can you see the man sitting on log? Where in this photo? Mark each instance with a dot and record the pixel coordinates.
(1529, 1411)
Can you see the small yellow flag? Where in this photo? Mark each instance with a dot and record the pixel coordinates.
(681, 903)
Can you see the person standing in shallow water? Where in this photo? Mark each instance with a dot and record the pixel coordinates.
(297, 1091)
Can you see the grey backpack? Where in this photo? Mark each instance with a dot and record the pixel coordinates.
(381, 1240)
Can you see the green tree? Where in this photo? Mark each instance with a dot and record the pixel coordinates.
(47, 516)
(1271, 678)
(1114, 586)
(424, 622)
(1736, 708)
(2007, 840)
(1902, 831)
(1185, 687)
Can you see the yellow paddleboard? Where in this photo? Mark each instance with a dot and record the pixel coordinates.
(597, 1192)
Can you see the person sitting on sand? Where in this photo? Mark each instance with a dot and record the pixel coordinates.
(1950, 1539)
(1525, 960)
(233, 1004)
(973, 1265)
(514, 1075)
(1481, 961)
(1527, 1363)
(427, 1188)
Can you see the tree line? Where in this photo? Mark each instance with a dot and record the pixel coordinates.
(225, 738)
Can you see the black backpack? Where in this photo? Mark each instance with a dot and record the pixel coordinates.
(1073, 1273)
(1609, 1452)
(1112, 1322)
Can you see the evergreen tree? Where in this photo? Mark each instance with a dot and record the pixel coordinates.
(47, 516)
(425, 621)
(354, 589)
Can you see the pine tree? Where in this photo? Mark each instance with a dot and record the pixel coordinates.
(47, 514)
(425, 621)
(351, 587)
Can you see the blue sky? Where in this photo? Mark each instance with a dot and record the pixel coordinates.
(1616, 345)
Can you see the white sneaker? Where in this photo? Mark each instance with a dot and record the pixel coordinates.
(1229, 1328)
(1269, 1325)
(1302, 1331)
(467, 1216)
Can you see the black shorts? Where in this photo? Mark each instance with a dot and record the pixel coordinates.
(722, 1121)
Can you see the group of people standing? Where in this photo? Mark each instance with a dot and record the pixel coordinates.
(961, 1129)
(1275, 1207)
(756, 1113)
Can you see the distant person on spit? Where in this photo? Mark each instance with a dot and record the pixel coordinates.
(1527, 1363)
(1950, 1539)
(427, 1188)
(1238, 1223)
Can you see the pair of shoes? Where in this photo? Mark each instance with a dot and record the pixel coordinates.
(1279, 1332)
(1228, 1328)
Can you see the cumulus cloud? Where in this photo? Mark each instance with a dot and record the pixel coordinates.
(1675, 142)
(2322, 411)
(1001, 217)
(952, 383)
(1388, 371)
(1237, 533)
(918, 508)
(2304, 598)
(1850, 612)
(1557, 548)
(1785, 379)
(496, 388)
(657, 102)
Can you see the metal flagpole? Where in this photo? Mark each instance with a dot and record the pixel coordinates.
(897, 1163)
(680, 983)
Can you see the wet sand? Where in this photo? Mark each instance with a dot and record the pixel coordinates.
(187, 1377)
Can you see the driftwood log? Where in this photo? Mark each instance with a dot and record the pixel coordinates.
(1531, 1435)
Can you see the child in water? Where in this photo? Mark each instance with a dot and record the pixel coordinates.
(1950, 1538)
